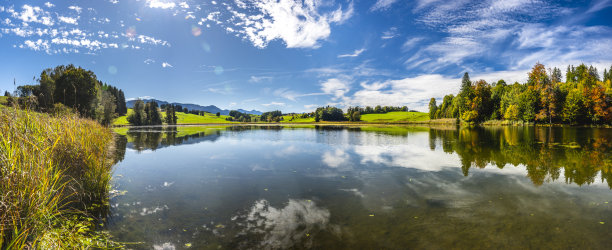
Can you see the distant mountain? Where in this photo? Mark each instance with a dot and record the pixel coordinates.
(210, 109)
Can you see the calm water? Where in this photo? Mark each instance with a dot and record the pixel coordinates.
(368, 187)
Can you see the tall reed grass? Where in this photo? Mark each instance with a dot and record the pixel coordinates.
(55, 174)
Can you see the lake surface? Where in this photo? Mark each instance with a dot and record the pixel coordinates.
(272, 187)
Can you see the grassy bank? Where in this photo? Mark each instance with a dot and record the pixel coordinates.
(55, 174)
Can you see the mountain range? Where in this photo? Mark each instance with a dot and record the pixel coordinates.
(210, 109)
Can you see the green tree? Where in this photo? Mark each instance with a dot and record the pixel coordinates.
(573, 107)
(77, 88)
(433, 108)
(138, 116)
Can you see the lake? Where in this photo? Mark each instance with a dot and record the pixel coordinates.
(388, 187)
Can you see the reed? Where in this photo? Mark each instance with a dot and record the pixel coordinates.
(55, 174)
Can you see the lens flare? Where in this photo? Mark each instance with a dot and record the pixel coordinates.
(218, 70)
(206, 46)
(196, 31)
(112, 70)
(131, 32)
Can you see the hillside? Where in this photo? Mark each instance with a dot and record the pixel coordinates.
(183, 118)
(395, 117)
(210, 109)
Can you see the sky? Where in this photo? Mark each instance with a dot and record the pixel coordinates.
(297, 55)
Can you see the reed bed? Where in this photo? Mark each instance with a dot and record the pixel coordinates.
(55, 174)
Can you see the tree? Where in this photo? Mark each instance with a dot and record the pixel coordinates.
(138, 117)
(573, 107)
(466, 84)
(77, 88)
(433, 108)
(170, 114)
(356, 116)
(105, 110)
(218, 114)
(153, 115)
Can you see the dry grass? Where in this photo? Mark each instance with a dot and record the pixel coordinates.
(55, 176)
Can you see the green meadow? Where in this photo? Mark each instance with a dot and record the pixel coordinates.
(183, 118)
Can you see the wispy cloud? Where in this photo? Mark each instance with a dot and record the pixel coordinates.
(149, 61)
(356, 53)
(389, 34)
(166, 65)
(279, 104)
(382, 5)
(258, 79)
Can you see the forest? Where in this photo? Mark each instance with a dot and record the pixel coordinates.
(584, 98)
(66, 89)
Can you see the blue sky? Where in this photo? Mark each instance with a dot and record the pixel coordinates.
(297, 55)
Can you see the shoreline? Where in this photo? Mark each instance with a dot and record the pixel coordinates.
(423, 123)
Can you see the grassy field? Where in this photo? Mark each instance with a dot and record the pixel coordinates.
(183, 118)
(391, 117)
(56, 174)
(287, 119)
(3, 100)
(395, 117)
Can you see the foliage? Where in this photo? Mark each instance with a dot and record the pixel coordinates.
(145, 114)
(330, 114)
(582, 99)
(272, 116)
(76, 88)
(239, 116)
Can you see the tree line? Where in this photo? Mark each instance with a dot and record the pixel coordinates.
(67, 87)
(584, 98)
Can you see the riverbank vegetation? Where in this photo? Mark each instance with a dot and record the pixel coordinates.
(584, 98)
(55, 172)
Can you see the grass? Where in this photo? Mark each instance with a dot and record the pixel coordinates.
(55, 174)
(3, 100)
(287, 119)
(182, 118)
(391, 117)
(395, 117)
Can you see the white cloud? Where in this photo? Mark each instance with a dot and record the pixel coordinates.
(284, 227)
(382, 5)
(184, 5)
(411, 43)
(69, 20)
(160, 4)
(475, 30)
(258, 79)
(113, 1)
(298, 23)
(149, 61)
(76, 8)
(389, 34)
(280, 104)
(49, 5)
(415, 92)
(336, 87)
(32, 14)
(36, 45)
(599, 5)
(335, 159)
(354, 54)
(166, 65)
